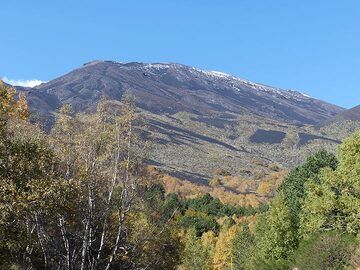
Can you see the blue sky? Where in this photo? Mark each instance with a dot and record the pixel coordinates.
(310, 46)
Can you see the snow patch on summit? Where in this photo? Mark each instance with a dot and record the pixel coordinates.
(157, 66)
(236, 82)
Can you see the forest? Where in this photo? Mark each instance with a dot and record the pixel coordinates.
(81, 196)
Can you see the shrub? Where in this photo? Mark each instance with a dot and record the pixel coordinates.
(215, 182)
(274, 167)
(258, 175)
(222, 172)
(330, 250)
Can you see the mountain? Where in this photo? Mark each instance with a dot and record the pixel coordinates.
(343, 124)
(200, 120)
(171, 88)
(352, 114)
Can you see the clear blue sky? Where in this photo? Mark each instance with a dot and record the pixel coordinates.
(310, 45)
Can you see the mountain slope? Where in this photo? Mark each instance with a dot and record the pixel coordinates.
(199, 120)
(352, 114)
(171, 88)
(343, 124)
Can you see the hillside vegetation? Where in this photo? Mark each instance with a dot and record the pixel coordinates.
(84, 197)
(199, 121)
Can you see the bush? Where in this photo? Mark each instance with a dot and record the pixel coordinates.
(259, 162)
(258, 175)
(244, 171)
(222, 172)
(330, 250)
(215, 182)
(355, 259)
(200, 222)
(274, 167)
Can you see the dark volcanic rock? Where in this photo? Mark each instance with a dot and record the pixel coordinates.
(267, 136)
(304, 138)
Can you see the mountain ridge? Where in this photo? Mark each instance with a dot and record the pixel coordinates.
(173, 87)
(352, 114)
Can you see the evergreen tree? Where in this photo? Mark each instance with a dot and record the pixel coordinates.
(293, 186)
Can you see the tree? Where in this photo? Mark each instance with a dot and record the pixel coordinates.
(102, 154)
(7, 104)
(208, 240)
(206, 204)
(26, 171)
(24, 183)
(241, 247)
(199, 221)
(10, 109)
(275, 235)
(223, 255)
(293, 186)
(82, 201)
(333, 198)
(330, 250)
(195, 255)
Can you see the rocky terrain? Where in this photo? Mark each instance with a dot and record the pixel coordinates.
(199, 120)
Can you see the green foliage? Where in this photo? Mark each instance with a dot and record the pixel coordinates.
(325, 251)
(242, 247)
(195, 256)
(23, 161)
(275, 234)
(293, 186)
(26, 169)
(333, 198)
(228, 223)
(172, 204)
(154, 194)
(322, 194)
(201, 213)
(199, 221)
(349, 155)
(27, 191)
(206, 204)
(214, 207)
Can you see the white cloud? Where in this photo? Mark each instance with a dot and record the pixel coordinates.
(25, 83)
